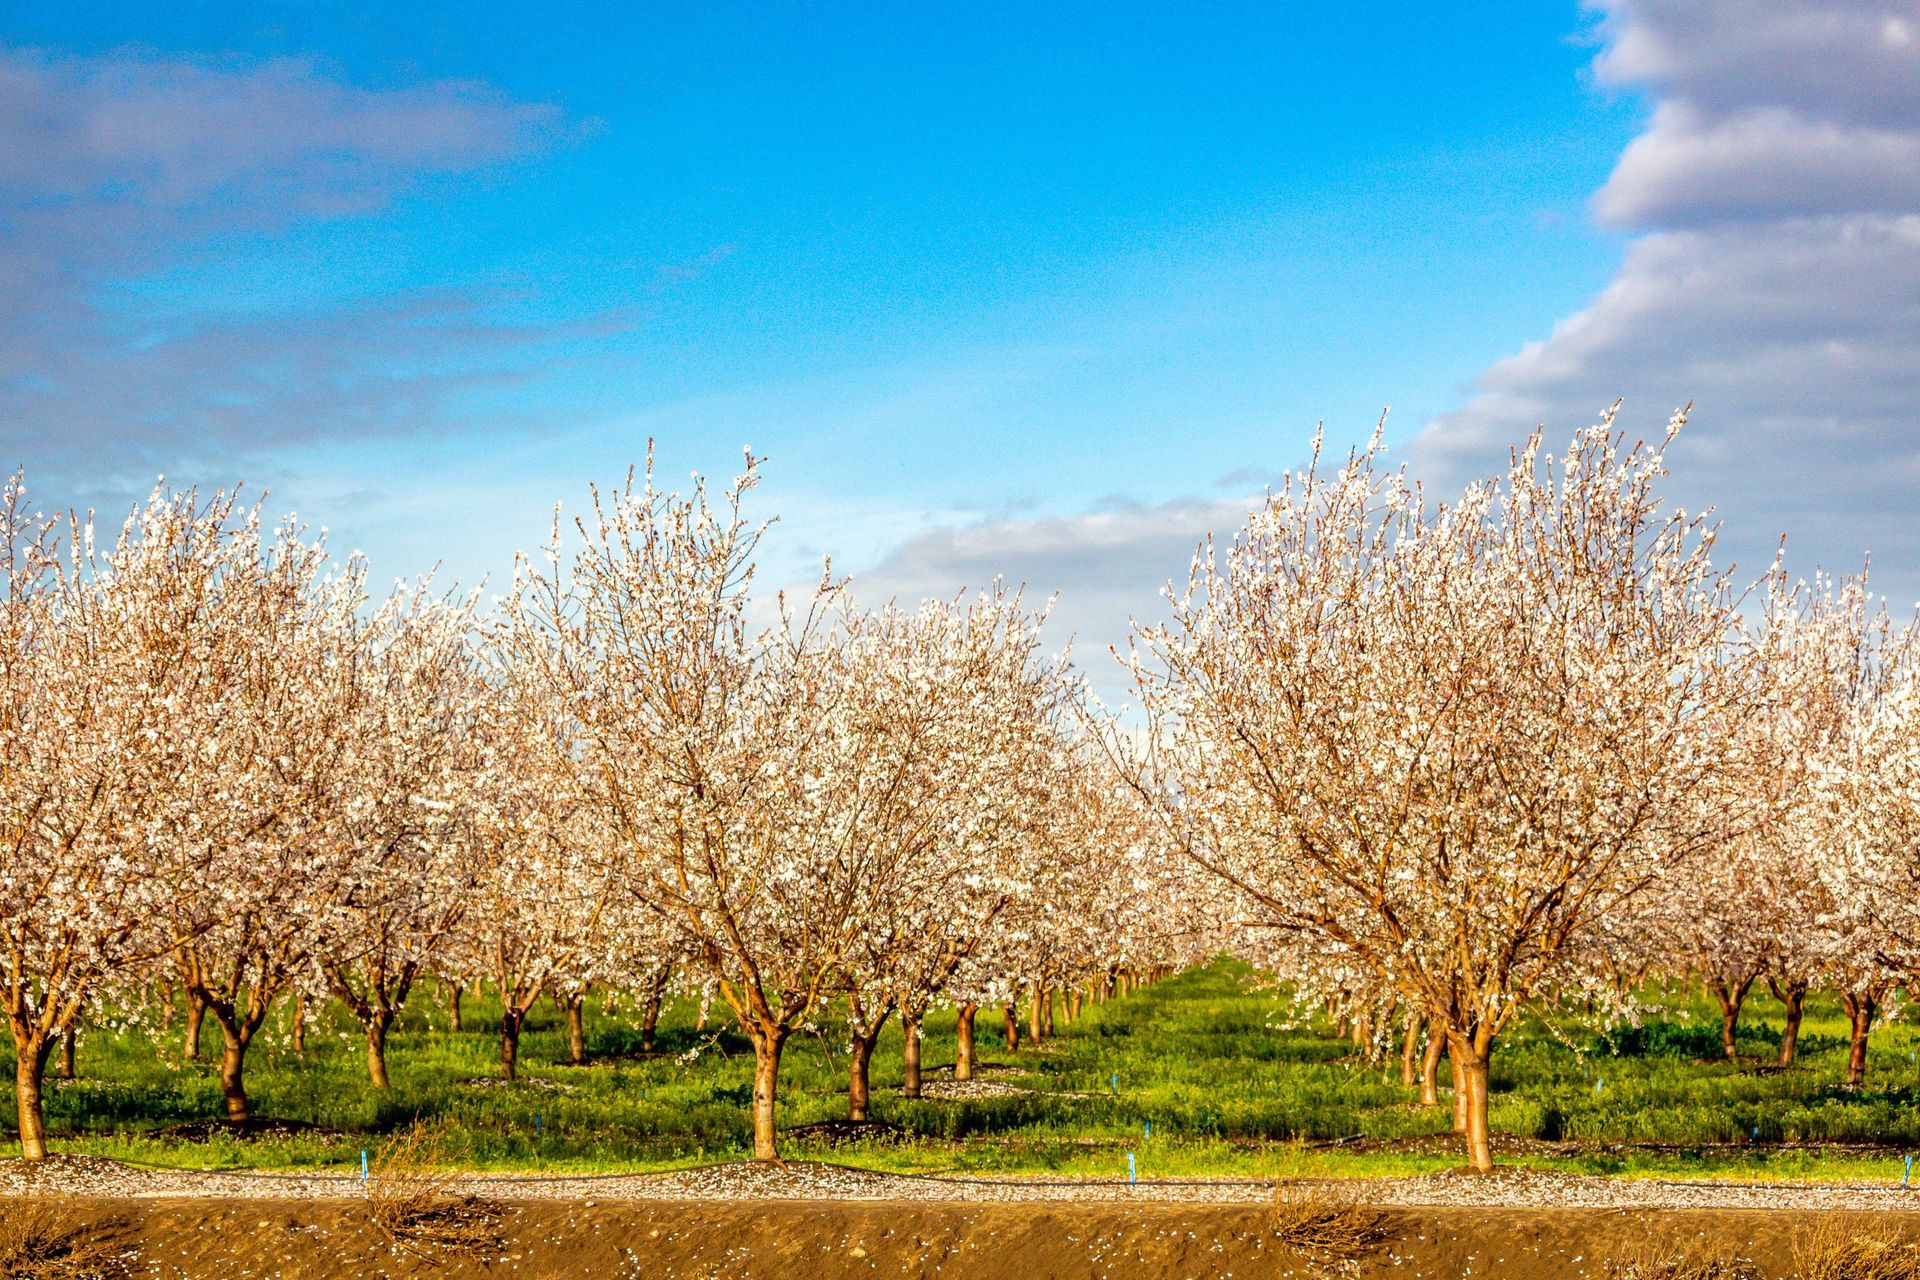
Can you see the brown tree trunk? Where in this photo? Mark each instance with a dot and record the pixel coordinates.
(300, 1022)
(1472, 1070)
(649, 1021)
(1410, 1051)
(1012, 1016)
(1073, 1005)
(910, 1058)
(1459, 1088)
(576, 1030)
(196, 1014)
(376, 1028)
(1046, 1012)
(963, 1042)
(510, 1020)
(1860, 1010)
(30, 1051)
(454, 991)
(1430, 1067)
(1730, 996)
(1034, 1026)
(857, 1079)
(1792, 995)
(67, 1039)
(233, 1075)
(766, 1087)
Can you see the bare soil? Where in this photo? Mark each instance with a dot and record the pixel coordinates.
(333, 1239)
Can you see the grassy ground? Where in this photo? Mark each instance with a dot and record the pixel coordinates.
(1188, 1076)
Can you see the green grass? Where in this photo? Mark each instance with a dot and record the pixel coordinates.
(1196, 1059)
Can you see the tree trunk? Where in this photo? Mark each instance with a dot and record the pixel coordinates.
(1459, 1088)
(1860, 1009)
(1046, 1012)
(1730, 997)
(233, 1076)
(454, 991)
(910, 1058)
(766, 1087)
(1792, 995)
(649, 1021)
(196, 1014)
(1012, 1014)
(376, 1029)
(30, 1052)
(510, 1019)
(963, 1038)
(300, 1023)
(1073, 1005)
(857, 1080)
(1473, 1075)
(1034, 1026)
(1410, 1051)
(1430, 1067)
(576, 1030)
(67, 1039)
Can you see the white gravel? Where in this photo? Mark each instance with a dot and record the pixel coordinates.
(1510, 1188)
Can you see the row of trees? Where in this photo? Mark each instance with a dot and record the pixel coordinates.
(1452, 759)
(230, 774)
(1427, 764)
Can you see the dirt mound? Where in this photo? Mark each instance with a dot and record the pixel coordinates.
(586, 1239)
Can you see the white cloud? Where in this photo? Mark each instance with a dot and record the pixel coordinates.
(1777, 285)
(1108, 567)
(119, 167)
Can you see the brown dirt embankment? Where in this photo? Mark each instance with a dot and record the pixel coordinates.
(333, 1239)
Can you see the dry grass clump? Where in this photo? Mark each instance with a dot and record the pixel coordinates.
(1334, 1226)
(414, 1205)
(1654, 1261)
(1844, 1246)
(46, 1238)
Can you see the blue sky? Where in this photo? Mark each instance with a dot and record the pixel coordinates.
(997, 290)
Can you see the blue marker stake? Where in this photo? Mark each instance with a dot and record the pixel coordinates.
(536, 1125)
(1114, 1081)
(363, 1165)
(1599, 1084)
(1132, 1176)
(1146, 1129)
(1756, 1133)
(1907, 1177)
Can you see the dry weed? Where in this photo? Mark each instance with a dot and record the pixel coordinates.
(1331, 1225)
(46, 1238)
(1844, 1246)
(414, 1204)
(1654, 1261)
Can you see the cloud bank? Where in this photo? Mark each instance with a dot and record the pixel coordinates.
(1775, 280)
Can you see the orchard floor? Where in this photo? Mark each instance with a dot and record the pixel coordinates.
(812, 1220)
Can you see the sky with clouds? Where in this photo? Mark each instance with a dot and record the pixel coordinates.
(1046, 296)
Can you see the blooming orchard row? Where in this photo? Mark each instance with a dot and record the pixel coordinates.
(230, 774)
(1530, 745)
(1426, 763)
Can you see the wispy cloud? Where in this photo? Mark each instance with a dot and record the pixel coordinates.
(118, 167)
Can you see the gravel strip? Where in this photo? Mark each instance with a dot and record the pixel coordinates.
(1509, 1188)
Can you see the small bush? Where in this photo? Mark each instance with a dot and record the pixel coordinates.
(414, 1205)
(1842, 1246)
(1329, 1225)
(45, 1239)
